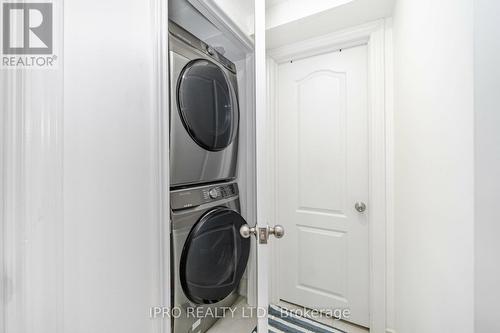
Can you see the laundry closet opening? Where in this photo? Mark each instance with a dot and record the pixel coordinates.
(211, 115)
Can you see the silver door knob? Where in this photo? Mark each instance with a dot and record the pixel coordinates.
(246, 231)
(360, 206)
(278, 231)
(263, 233)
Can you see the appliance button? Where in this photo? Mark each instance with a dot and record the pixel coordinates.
(213, 193)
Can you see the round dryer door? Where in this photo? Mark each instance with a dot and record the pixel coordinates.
(214, 257)
(207, 105)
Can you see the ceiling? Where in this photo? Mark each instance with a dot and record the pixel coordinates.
(285, 11)
(270, 3)
(290, 21)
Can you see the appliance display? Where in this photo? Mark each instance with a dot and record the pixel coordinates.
(209, 256)
(204, 112)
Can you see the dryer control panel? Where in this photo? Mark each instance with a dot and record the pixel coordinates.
(192, 197)
(192, 40)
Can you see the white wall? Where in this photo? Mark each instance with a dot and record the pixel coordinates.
(80, 212)
(434, 160)
(241, 12)
(487, 181)
(111, 194)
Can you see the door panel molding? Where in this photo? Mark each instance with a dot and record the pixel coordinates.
(309, 136)
(380, 142)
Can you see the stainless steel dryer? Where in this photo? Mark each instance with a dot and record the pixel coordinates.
(204, 112)
(209, 256)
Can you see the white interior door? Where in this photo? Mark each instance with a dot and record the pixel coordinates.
(322, 174)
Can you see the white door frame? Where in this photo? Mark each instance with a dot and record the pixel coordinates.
(161, 66)
(380, 143)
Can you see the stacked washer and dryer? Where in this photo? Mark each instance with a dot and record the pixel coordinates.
(209, 256)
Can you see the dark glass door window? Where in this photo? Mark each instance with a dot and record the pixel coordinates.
(207, 105)
(214, 257)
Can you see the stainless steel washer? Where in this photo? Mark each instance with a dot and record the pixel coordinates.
(209, 257)
(204, 112)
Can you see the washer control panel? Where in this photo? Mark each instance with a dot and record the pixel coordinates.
(192, 197)
(219, 192)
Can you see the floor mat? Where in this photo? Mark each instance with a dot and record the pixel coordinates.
(282, 320)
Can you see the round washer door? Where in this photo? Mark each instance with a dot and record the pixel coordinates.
(214, 257)
(207, 105)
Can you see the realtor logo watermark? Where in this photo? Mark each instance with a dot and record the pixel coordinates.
(28, 35)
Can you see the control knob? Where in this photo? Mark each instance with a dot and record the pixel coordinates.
(213, 193)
